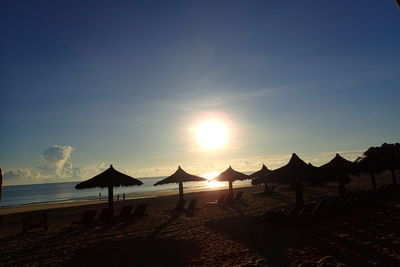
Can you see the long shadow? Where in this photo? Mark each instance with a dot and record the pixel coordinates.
(133, 252)
(158, 230)
(266, 241)
(366, 255)
(234, 207)
(281, 198)
(45, 242)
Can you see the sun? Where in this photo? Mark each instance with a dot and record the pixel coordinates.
(212, 134)
(212, 183)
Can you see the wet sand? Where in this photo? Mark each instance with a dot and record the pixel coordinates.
(215, 235)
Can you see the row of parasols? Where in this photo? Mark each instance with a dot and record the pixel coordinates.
(295, 173)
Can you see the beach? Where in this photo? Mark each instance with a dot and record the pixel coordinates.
(215, 235)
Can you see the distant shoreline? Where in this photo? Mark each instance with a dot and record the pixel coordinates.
(62, 204)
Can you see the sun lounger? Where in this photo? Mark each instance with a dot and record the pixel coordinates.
(281, 216)
(238, 196)
(32, 222)
(180, 205)
(192, 204)
(105, 215)
(229, 198)
(191, 207)
(303, 215)
(140, 211)
(87, 218)
(219, 201)
(318, 210)
(125, 212)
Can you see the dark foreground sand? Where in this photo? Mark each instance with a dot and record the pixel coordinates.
(231, 235)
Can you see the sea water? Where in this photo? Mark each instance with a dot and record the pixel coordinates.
(19, 195)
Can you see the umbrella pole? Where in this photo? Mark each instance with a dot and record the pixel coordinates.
(394, 177)
(180, 191)
(110, 200)
(299, 195)
(342, 188)
(230, 187)
(266, 187)
(373, 181)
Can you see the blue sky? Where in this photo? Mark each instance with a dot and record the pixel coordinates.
(87, 84)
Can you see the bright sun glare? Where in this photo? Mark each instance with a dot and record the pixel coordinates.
(212, 134)
(212, 184)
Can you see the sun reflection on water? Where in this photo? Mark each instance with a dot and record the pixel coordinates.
(211, 183)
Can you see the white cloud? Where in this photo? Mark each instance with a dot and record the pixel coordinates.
(24, 174)
(56, 158)
(57, 167)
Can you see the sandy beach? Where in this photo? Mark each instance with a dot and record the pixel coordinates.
(215, 235)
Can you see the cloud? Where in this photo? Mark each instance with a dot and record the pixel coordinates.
(190, 101)
(25, 174)
(56, 167)
(56, 158)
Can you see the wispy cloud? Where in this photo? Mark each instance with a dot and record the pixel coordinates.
(210, 100)
(56, 167)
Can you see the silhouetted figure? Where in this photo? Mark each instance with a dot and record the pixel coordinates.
(123, 196)
(99, 195)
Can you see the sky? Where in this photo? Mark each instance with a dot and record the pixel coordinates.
(85, 84)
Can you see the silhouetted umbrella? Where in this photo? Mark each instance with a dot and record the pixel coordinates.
(110, 178)
(179, 177)
(336, 170)
(397, 3)
(260, 177)
(371, 163)
(295, 173)
(230, 175)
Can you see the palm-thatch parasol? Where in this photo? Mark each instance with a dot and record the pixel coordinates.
(230, 175)
(336, 170)
(109, 178)
(295, 173)
(371, 163)
(179, 177)
(260, 177)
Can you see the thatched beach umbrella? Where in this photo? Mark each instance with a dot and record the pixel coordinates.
(336, 170)
(110, 178)
(260, 177)
(371, 163)
(179, 177)
(230, 175)
(295, 173)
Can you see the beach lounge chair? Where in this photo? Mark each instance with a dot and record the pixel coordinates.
(229, 198)
(105, 215)
(37, 221)
(192, 204)
(304, 214)
(318, 210)
(191, 207)
(140, 211)
(219, 201)
(180, 205)
(238, 196)
(125, 212)
(281, 216)
(87, 218)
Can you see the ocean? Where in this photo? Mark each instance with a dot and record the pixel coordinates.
(20, 195)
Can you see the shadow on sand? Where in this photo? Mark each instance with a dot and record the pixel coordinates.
(150, 252)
